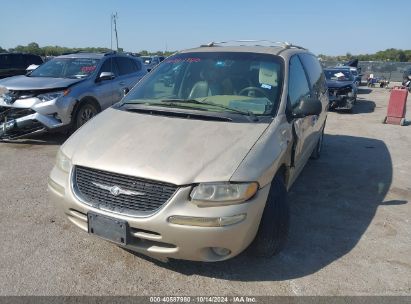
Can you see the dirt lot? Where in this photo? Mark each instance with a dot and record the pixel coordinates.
(350, 233)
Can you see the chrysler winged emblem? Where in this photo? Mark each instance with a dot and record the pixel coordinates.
(116, 190)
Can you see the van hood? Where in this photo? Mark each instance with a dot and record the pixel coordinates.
(174, 150)
(26, 83)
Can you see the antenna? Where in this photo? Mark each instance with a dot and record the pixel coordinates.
(114, 18)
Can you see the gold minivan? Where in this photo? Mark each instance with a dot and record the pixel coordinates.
(195, 162)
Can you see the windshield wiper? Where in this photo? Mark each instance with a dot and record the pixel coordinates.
(162, 104)
(204, 102)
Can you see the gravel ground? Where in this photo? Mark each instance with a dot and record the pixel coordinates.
(350, 231)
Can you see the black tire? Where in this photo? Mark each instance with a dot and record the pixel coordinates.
(273, 229)
(402, 122)
(318, 147)
(84, 113)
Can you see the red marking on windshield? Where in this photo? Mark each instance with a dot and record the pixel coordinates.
(178, 60)
(88, 69)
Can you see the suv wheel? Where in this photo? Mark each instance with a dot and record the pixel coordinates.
(273, 230)
(85, 112)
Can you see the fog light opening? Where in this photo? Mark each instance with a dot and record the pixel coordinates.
(221, 251)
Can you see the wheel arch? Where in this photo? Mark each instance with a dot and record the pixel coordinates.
(84, 100)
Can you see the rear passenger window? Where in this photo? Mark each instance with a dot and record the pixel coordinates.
(109, 66)
(314, 71)
(297, 82)
(126, 65)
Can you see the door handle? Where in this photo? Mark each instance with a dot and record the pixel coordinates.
(122, 83)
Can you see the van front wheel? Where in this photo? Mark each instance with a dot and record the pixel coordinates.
(273, 230)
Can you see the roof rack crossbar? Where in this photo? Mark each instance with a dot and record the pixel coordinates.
(269, 43)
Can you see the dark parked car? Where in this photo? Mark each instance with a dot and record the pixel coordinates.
(341, 88)
(12, 64)
(406, 78)
(151, 62)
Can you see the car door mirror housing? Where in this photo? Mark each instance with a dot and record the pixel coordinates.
(106, 76)
(307, 107)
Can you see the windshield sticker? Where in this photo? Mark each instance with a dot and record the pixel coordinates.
(266, 86)
(88, 69)
(179, 60)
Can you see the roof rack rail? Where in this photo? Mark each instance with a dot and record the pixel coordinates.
(82, 52)
(110, 53)
(268, 43)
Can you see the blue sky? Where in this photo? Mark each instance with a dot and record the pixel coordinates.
(328, 27)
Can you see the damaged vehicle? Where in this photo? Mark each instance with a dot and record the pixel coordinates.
(198, 169)
(342, 89)
(65, 92)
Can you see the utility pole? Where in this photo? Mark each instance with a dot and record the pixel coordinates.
(114, 18)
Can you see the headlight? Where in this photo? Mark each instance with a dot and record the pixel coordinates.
(214, 194)
(63, 162)
(52, 95)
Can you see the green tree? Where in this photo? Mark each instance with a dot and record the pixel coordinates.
(33, 48)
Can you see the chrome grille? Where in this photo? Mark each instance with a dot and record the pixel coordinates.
(13, 113)
(101, 189)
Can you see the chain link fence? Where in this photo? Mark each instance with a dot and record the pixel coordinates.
(391, 71)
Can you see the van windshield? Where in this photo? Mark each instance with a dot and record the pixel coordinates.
(66, 68)
(238, 81)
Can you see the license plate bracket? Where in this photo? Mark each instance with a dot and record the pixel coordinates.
(108, 228)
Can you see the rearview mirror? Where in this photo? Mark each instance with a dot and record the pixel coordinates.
(106, 76)
(307, 107)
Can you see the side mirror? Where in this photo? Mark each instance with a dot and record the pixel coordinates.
(106, 76)
(307, 107)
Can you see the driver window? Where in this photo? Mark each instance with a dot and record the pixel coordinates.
(297, 82)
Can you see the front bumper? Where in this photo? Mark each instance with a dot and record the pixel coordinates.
(155, 236)
(341, 102)
(30, 115)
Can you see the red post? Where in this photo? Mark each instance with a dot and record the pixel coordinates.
(397, 106)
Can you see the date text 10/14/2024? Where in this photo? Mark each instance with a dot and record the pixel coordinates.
(203, 299)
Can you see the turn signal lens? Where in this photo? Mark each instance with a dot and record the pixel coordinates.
(206, 221)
